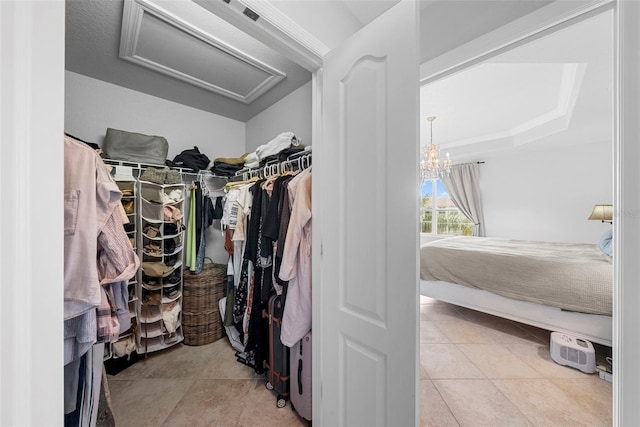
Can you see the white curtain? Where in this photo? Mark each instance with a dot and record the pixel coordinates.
(463, 185)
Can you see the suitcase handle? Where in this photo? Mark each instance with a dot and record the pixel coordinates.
(300, 376)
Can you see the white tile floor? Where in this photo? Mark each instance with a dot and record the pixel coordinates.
(479, 370)
(476, 370)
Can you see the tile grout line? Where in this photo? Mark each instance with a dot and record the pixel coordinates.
(446, 404)
(529, 337)
(512, 402)
(175, 406)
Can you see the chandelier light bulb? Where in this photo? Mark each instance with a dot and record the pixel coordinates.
(430, 166)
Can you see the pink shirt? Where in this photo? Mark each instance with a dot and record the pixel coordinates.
(90, 198)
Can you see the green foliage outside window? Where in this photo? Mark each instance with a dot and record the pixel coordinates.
(449, 219)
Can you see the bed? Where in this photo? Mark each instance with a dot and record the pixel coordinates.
(562, 287)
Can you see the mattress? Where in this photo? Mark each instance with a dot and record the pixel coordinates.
(573, 277)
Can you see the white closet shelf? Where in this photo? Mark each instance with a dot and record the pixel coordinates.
(167, 335)
(151, 254)
(167, 300)
(178, 250)
(175, 338)
(153, 201)
(143, 182)
(160, 238)
(151, 329)
(125, 336)
(151, 344)
(157, 196)
(150, 313)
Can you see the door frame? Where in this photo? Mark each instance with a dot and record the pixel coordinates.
(33, 348)
(626, 156)
(32, 41)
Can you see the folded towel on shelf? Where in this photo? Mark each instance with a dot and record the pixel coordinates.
(252, 161)
(277, 144)
(232, 160)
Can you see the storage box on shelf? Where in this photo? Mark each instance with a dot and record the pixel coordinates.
(161, 254)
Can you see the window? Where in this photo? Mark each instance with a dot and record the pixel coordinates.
(438, 213)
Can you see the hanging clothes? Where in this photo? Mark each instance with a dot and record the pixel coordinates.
(206, 214)
(236, 209)
(118, 296)
(83, 394)
(91, 198)
(269, 223)
(253, 311)
(296, 262)
(199, 214)
(190, 247)
(275, 228)
(200, 217)
(97, 253)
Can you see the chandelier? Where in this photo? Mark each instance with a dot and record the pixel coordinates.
(430, 167)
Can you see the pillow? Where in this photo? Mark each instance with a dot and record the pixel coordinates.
(606, 243)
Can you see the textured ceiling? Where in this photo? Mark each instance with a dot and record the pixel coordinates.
(93, 29)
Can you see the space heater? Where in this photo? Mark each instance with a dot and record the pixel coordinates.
(573, 351)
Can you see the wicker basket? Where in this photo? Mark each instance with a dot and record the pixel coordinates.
(201, 320)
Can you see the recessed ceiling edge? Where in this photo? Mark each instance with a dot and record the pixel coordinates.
(132, 18)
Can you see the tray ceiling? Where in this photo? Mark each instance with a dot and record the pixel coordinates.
(553, 91)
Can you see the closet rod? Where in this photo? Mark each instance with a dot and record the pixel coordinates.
(269, 167)
(143, 166)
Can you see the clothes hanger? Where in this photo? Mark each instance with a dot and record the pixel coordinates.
(230, 185)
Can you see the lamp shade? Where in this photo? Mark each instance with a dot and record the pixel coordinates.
(602, 212)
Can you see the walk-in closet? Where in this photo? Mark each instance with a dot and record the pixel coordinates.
(216, 209)
(342, 77)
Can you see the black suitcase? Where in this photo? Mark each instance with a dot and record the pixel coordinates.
(277, 365)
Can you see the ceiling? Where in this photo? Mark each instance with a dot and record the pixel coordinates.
(554, 91)
(182, 52)
(179, 37)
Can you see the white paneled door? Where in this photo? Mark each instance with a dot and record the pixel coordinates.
(368, 215)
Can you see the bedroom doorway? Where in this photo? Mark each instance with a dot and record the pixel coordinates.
(560, 81)
(528, 114)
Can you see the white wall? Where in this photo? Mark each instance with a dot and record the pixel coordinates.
(292, 113)
(547, 195)
(91, 106)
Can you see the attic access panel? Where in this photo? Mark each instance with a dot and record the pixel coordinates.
(156, 39)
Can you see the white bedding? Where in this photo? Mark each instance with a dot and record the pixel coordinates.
(573, 277)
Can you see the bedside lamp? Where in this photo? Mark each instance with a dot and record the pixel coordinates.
(603, 213)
